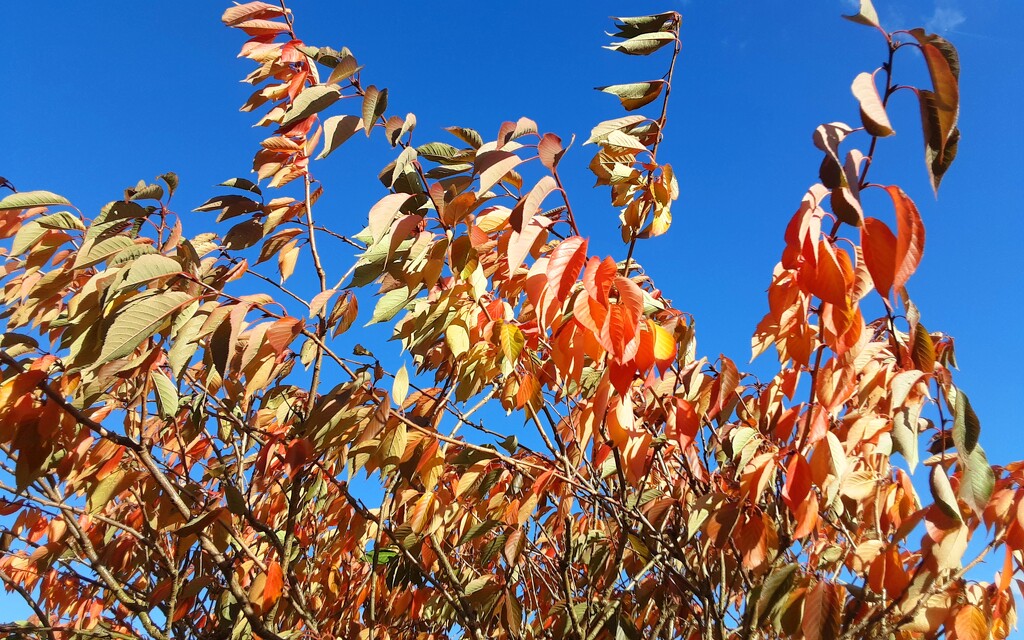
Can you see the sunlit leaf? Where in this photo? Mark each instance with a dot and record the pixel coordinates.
(635, 94)
(643, 44)
(872, 111)
(138, 321)
(310, 102)
(27, 199)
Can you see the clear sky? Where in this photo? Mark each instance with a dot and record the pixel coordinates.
(98, 95)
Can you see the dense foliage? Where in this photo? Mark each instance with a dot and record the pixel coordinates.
(184, 458)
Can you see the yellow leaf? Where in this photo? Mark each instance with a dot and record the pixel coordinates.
(400, 387)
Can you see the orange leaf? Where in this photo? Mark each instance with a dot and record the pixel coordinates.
(597, 278)
(879, 246)
(273, 585)
(970, 623)
(909, 237)
(620, 420)
(829, 281)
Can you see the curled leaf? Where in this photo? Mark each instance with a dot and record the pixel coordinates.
(635, 94)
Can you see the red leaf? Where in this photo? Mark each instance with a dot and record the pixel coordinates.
(687, 423)
(879, 246)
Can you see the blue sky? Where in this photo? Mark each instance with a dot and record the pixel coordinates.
(99, 95)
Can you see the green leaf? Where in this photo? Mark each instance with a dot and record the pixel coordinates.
(636, 25)
(311, 101)
(942, 492)
(114, 218)
(27, 237)
(390, 304)
(601, 131)
(243, 184)
(345, 69)
(61, 220)
(966, 426)
(104, 490)
(171, 180)
(375, 103)
(139, 320)
(230, 206)
(93, 253)
(469, 136)
(774, 589)
(149, 267)
(978, 480)
(147, 192)
(167, 399)
(643, 44)
(438, 152)
(904, 434)
(27, 199)
(924, 349)
(635, 94)
(338, 129)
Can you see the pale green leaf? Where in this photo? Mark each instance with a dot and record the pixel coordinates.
(166, 395)
(390, 304)
(643, 44)
(400, 386)
(634, 95)
(866, 15)
(338, 129)
(311, 101)
(138, 321)
(27, 199)
(93, 253)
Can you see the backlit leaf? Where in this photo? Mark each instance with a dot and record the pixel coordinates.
(879, 245)
(512, 341)
(400, 386)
